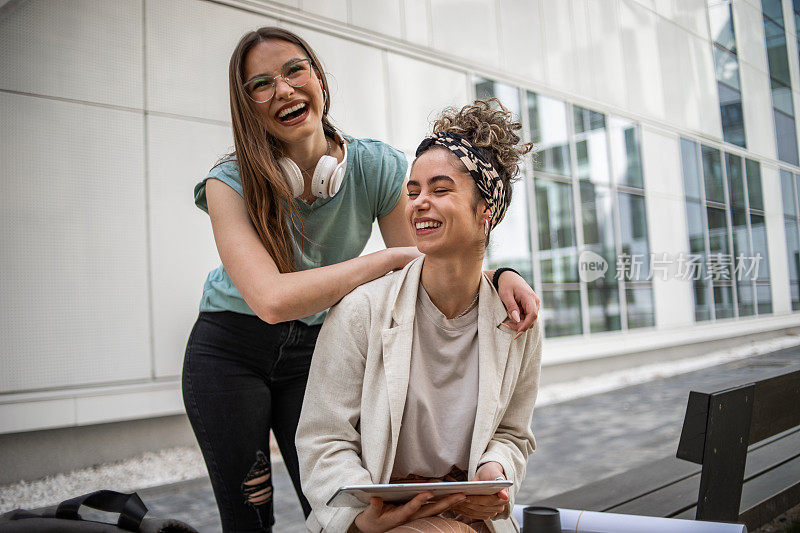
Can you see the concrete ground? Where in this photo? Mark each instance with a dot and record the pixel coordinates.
(578, 441)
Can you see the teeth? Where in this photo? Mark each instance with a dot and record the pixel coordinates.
(291, 110)
(427, 224)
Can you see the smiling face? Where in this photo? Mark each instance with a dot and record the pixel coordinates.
(294, 114)
(444, 208)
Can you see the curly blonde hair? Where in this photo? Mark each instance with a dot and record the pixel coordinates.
(491, 127)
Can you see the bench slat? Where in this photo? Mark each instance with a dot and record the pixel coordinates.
(765, 496)
(776, 406)
(596, 496)
(772, 494)
(676, 498)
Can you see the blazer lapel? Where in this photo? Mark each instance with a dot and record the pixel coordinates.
(494, 342)
(397, 342)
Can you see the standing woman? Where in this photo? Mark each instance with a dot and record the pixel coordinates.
(291, 210)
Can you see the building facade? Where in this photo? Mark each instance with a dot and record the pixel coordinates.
(667, 158)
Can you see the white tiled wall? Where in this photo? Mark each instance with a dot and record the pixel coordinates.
(417, 26)
(180, 153)
(84, 50)
(757, 108)
(381, 17)
(357, 83)
(643, 72)
(776, 239)
(187, 70)
(74, 282)
(466, 28)
(558, 33)
(524, 47)
(605, 54)
(419, 91)
(666, 219)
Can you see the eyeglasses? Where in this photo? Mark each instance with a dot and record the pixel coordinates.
(262, 89)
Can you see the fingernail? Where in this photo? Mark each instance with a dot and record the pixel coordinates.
(519, 335)
(515, 315)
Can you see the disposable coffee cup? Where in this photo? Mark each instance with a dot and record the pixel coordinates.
(540, 520)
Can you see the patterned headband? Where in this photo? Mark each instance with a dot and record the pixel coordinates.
(488, 181)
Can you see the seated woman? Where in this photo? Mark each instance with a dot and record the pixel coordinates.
(413, 376)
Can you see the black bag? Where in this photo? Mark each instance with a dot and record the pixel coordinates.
(64, 517)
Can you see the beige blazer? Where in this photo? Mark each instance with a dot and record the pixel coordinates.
(357, 388)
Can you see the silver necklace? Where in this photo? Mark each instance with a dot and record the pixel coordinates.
(465, 311)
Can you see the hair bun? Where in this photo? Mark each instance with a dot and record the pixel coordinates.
(490, 126)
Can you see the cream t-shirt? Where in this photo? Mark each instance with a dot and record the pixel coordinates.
(442, 398)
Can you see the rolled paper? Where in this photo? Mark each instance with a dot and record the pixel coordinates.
(577, 521)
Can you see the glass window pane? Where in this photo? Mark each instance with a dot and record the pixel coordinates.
(510, 241)
(733, 165)
(717, 231)
(558, 257)
(754, 184)
(760, 249)
(633, 236)
(603, 306)
(741, 241)
(722, 25)
(786, 137)
(746, 296)
(792, 251)
(723, 301)
(712, 175)
(777, 56)
(726, 67)
(625, 157)
(764, 295)
(588, 120)
(730, 108)
(691, 173)
(702, 309)
(787, 193)
(639, 298)
(590, 145)
(549, 133)
(773, 9)
(694, 217)
(563, 312)
(507, 94)
(782, 97)
(598, 221)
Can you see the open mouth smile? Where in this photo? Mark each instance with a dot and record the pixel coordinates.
(293, 113)
(425, 227)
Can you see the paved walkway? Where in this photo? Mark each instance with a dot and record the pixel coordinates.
(577, 442)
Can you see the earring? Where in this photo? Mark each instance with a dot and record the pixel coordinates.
(486, 227)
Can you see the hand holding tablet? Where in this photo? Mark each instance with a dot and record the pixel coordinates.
(356, 495)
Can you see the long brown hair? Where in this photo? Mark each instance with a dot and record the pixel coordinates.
(268, 197)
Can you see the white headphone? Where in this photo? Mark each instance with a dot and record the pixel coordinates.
(327, 178)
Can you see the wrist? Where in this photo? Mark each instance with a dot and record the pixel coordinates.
(499, 272)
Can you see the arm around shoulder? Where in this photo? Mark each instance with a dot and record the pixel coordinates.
(272, 295)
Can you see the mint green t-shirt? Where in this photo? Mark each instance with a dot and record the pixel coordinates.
(337, 227)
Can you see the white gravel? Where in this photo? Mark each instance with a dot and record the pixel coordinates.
(180, 464)
(148, 470)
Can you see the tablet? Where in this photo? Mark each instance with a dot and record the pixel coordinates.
(356, 495)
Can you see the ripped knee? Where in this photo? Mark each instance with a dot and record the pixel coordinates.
(256, 486)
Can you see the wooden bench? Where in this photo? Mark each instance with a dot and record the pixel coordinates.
(747, 439)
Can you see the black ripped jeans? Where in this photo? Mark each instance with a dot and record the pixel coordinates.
(241, 378)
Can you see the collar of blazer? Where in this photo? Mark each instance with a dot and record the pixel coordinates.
(494, 342)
